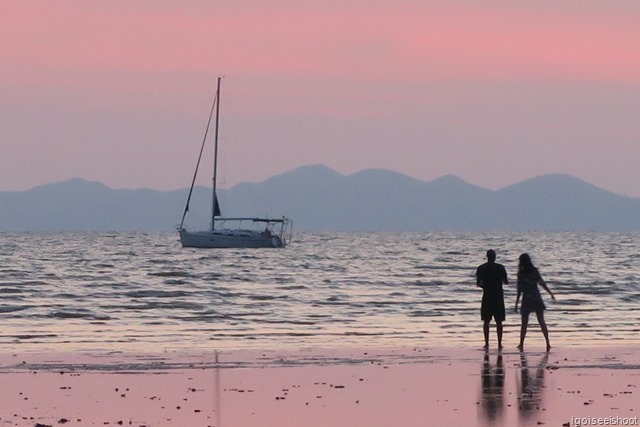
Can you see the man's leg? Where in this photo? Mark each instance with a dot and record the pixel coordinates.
(499, 331)
(485, 329)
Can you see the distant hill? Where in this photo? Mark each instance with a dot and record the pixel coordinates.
(320, 199)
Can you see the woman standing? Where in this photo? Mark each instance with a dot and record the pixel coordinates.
(528, 280)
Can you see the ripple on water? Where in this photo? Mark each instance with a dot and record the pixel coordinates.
(76, 314)
(149, 293)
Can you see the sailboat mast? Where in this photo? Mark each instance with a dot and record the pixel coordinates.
(215, 209)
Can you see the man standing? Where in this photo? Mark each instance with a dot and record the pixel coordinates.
(490, 277)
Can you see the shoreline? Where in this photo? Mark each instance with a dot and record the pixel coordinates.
(322, 387)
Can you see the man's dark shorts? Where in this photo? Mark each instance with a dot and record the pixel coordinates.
(491, 307)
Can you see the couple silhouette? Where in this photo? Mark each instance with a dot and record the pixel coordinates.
(491, 277)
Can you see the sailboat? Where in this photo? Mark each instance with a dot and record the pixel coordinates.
(250, 232)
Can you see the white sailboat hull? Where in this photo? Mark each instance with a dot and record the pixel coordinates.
(276, 231)
(230, 239)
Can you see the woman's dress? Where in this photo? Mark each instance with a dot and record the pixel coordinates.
(528, 286)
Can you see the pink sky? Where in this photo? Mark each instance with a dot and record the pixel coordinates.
(494, 92)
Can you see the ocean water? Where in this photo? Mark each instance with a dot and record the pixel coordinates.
(144, 292)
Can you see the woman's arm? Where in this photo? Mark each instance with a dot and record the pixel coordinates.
(517, 300)
(546, 288)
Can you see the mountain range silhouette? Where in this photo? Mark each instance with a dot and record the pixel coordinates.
(318, 198)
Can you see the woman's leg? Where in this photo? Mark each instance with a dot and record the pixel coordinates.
(543, 326)
(523, 330)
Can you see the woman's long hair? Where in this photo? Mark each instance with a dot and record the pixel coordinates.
(525, 265)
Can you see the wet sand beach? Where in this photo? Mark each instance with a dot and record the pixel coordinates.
(346, 387)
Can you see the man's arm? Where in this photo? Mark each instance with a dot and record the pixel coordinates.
(478, 279)
(479, 283)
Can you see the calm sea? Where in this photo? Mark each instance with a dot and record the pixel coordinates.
(144, 292)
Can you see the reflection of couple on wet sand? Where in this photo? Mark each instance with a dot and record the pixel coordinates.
(491, 277)
(530, 388)
(492, 378)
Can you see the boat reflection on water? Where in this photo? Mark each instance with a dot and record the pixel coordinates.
(217, 391)
(492, 401)
(530, 387)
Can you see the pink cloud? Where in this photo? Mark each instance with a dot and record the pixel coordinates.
(410, 40)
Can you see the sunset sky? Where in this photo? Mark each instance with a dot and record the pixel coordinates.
(494, 91)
